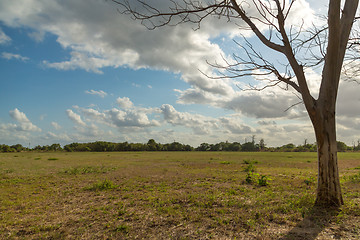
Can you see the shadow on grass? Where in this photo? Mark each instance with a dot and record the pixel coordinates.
(313, 224)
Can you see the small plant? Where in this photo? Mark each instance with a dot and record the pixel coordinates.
(52, 159)
(355, 178)
(102, 185)
(37, 158)
(249, 168)
(225, 162)
(87, 169)
(249, 177)
(309, 181)
(263, 180)
(246, 161)
(122, 228)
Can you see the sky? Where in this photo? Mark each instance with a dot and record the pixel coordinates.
(79, 71)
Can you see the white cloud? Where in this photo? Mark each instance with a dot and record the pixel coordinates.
(99, 93)
(124, 103)
(56, 125)
(75, 117)
(24, 123)
(130, 118)
(10, 56)
(233, 125)
(198, 123)
(4, 39)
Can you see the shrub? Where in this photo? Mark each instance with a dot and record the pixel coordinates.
(263, 180)
(249, 168)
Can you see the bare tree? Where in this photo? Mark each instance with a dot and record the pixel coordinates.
(323, 47)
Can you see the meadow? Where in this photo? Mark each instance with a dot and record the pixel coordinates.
(172, 195)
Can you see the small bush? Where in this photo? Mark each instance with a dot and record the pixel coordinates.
(263, 180)
(249, 177)
(52, 159)
(249, 168)
(246, 161)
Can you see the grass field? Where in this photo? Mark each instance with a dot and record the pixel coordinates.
(172, 195)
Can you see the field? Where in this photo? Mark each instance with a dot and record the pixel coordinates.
(172, 195)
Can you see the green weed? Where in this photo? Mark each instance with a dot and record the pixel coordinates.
(122, 228)
(86, 170)
(102, 185)
(261, 180)
(225, 162)
(354, 178)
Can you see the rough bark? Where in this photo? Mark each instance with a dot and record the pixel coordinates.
(323, 114)
(328, 190)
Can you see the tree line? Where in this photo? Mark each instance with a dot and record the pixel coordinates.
(152, 145)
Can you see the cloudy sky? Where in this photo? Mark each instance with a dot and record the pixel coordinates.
(79, 71)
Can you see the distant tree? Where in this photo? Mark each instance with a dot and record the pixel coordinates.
(5, 148)
(152, 145)
(203, 147)
(341, 146)
(262, 144)
(250, 147)
(288, 147)
(17, 147)
(55, 147)
(235, 147)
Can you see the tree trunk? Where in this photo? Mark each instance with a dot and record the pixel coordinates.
(328, 189)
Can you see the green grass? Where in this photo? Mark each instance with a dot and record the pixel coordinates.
(154, 195)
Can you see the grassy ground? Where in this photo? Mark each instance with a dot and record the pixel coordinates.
(172, 195)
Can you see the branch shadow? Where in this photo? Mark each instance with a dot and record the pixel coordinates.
(313, 224)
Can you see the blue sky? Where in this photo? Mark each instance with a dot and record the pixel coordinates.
(75, 72)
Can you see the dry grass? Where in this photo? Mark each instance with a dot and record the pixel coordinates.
(167, 195)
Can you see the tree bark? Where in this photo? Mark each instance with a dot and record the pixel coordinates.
(328, 188)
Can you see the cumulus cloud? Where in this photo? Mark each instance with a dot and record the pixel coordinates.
(123, 42)
(75, 117)
(24, 124)
(99, 93)
(124, 103)
(234, 125)
(10, 56)
(130, 118)
(198, 123)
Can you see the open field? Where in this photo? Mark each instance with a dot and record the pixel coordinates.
(172, 195)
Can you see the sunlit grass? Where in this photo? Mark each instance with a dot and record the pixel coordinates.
(154, 195)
